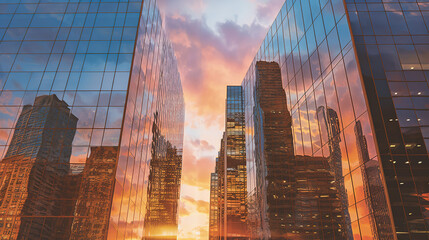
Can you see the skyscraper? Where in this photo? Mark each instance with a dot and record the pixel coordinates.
(101, 71)
(214, 207)
(355, 74)
(231, 171)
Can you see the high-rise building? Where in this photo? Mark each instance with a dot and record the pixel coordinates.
(231, 171)
(214, 207)
(355, 75)
(81, 83)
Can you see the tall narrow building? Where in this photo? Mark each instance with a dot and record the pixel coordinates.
(231, 171)
(214, 207)
(355, 76)
(81, 85)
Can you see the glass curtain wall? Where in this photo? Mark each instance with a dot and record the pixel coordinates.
(331, 126)
(81, 83)
(392, 46)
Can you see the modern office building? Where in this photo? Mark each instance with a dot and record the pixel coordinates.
(231, 171)
(164, 187)
(214, 207)
(81, 85)
(355, 76)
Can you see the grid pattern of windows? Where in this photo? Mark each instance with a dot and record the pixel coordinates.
(214, 207)
(312, 43)
(392, 45)
(89, 95)
(231, 170)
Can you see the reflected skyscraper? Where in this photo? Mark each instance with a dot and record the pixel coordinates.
(37, 166)
(330, 133)
(274, 156)
(355, 75)
(164, 188)
(296, 194)
(80, 85)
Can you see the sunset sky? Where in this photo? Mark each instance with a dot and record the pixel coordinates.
(215, 42)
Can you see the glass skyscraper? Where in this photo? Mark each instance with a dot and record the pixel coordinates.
(230, 172)
(91, 117)
(355, 76)
(214, 207)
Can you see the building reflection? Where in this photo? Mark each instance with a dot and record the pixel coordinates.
(164, 187)
(91, 212)
(35, 180)
(84, 89)
(296, 194)
(330, 132)
(375, 198)
(41, 192)
(214, 207)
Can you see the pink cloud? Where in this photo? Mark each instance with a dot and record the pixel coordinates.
(202, 145)
(196, 171)
(208, 60)
(267, 10)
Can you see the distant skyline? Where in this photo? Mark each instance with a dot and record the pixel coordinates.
(215, 42)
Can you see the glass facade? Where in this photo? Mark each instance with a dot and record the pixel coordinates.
(354, 75)
(90, 94)
(214, 207)
(392, 45)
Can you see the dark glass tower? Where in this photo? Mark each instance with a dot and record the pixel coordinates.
(393, 54)
(355, 75)
(81, 84)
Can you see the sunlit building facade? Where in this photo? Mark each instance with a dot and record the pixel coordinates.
(214, 207)
(81, 85)
(231, 171)
(355, 77)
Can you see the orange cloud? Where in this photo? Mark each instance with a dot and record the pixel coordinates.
(197, 171)
(200, 205)
(208, 60)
